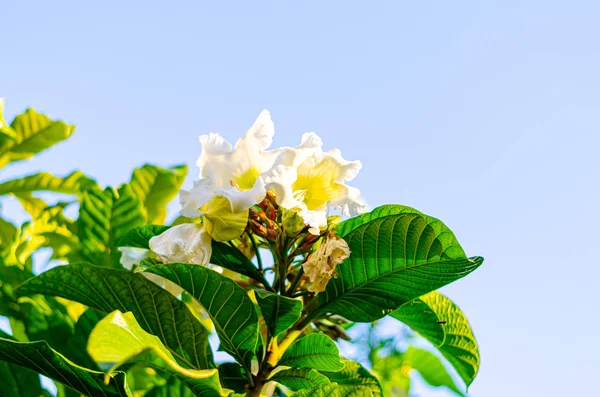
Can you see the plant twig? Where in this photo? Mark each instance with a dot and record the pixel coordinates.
(255, 246)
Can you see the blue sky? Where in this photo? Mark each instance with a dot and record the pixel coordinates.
(483, 114)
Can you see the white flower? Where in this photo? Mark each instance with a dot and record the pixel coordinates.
(187, 243)
(321, 265)
(314, 182)
(132, 256)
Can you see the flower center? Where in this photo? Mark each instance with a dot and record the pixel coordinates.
(317, 183)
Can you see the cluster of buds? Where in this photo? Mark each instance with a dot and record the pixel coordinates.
(263, 222)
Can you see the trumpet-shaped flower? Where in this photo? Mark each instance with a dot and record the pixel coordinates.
(187, 243)
(314, 182)
(321, 265)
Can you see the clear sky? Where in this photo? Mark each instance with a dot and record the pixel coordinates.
(483, 114)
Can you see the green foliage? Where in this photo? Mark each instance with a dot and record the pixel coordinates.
(38, 356)
(442, 323)
(396, 257)
(156, 187)
(313, 351)
(104, 217)
(158, 312)
(30, 133)
(222, 299)
(149, 330)
(279, 312)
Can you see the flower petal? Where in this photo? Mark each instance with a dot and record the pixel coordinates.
(221, 222)
(191, 201)
(132, 256)
(187, 243)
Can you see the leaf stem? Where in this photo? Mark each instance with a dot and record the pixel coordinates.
(294, 285)
(258, 257)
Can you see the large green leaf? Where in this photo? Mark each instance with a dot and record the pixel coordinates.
(278, 311)
(394, 259)
(118, 339)
(314, 351)
(431, 368)
(158, 312)
(354, 374)
(227, 304)
(441, 322)
(6, 133)
(223, 254)
(299, 378)
(18, 381)
(156, 187)
(73, 183)
(335, 390)
(32, 133)
(104, 217)
(39, 357)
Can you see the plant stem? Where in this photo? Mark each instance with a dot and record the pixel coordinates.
(294, 285)
(258, 257)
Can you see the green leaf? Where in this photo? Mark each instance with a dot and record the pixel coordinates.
(7, 134)
(8, 232)
(231, 258)
(314, 351)
(278, 311)
(354, 374)
(73, 183)
(33, 205)
(345, 227)
(158, 312)
(18, 381)
(104, 217)
(39, 357)
(233, 376)
(299, 378)
(140, 236)
(442, 323)
(392, 373)
(227, 304)
(394, 259)
(156, 187)
(431, 368)
(335, 390)
(118, 339)
(33, 133)
(173, 388)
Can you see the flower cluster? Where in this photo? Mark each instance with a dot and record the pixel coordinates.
(248, 186)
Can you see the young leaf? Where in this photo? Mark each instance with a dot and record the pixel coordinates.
(74, 183)
(156, 187)
(278, 311)
(227, 304)
(118, 339)
(441, 322)
(299, 378)
(431, 368)
(354, 374)
(104, 217)
(39, 357)
(335, 390)
(111, 289)
(394, 259)
(314, 351)
(33, 133)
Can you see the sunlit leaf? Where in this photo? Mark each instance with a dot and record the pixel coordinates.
(314, 351)
(33, 133)
(440, 321)
(156, 187)
(431, 368)
(118, 339)
(39, 357)
(299, 378)
(395, 257)
(104, 217)
(157, 311)
(335, 390)
(74, 183)
(229, 307)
